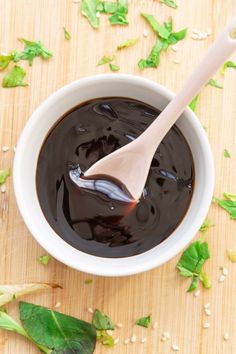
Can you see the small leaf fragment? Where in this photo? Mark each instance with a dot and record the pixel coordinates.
(4, 174)
(105, 60)
(67, 35)
(114, 67)
(102, 321)
(144, 321)
(44, 259)
(227, 153)
(14, 77)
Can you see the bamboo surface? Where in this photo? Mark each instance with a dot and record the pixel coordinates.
(160, 292)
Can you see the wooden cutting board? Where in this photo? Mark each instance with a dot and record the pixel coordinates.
(159, 292)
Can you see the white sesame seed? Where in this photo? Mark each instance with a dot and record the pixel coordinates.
(208, 312)
(145, 32)
(175, 347)
(176, 61)
(5, 148)
(119, 325)
(175, 48)
(3, 188)
(126, 341)
(109, 332)
(196, 293)
(196, 31)
(221, 278)
(116, 341)
(206, 306)
(209, 31)
(163, 339)
(206, 325)
(90, 310)
(98, 14)
(58, 304)
(143, 340)
(226, 336)
(133, 339)
(225, 271)
(154, 326)
(195, 36)
(166, 335)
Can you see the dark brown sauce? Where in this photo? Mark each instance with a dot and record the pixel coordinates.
(91, 221)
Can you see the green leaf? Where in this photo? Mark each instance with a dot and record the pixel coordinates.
(32, 50)
(107, 7)
(14, 77)
(230, 196)
(9, 324)
(215, 83)
(128, 43)
(227, 64)
(193, 103)
(153, 59)
(144, 321)
(119, 17)
(170, 3)
(105, 59)
(89, 9)
(227, 153)
(205, 280)
(162, 31)
(177, 36)
(59, 332)
(229, 204)
(4, 174)
(45, 259)
(114, 67)
(205, 225)
(105, 338)
(67, 35)
(101, 321)
(169, 25)
(192, 260)
(5, 60)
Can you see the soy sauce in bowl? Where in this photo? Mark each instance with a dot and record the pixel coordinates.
(91, 220)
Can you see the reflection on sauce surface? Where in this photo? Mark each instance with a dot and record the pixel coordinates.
(92, 221)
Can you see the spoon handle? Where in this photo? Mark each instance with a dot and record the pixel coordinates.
(215, 57)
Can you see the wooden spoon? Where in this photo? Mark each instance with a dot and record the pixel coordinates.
(131, 163)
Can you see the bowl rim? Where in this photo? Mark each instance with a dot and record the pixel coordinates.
(137, 266)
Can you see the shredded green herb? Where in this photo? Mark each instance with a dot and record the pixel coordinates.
(227, 153)
(191, 263)
(205, 225)
(105, 338)
(193, 103)
(89, 9)
(45, 259)
(169, 3)
(105, 60)
(227, 64)
(119, 17)
(215, 83)
(102, 321)
(31, 51)
(67, 35)
(228, 203)
(4, 174)
(144, 321)
(14, 77)
(114, 67)
(128, 43)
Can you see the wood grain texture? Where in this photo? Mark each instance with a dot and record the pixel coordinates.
(159, 292)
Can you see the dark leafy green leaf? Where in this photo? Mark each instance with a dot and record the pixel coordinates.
(228, 64)
(14, 77)
(191, 263)
(67, 35)
(45, 259)
(227, 153)
(193, 103)
(101, 321)
(162, 31)
(128, 43)
(215, 83)
(105, 59)
(229, 204)
(32, 50)
(4, 174)
(5, 60)
(59, 332)
(105, 338)
(9, 324)
(89, 9)
(153, 59)
(114, 67)
(144, 321)
(170, 3)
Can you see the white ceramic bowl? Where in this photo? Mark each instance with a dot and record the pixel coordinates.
(28, 149)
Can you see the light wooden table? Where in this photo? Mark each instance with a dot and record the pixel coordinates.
(159, 292)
